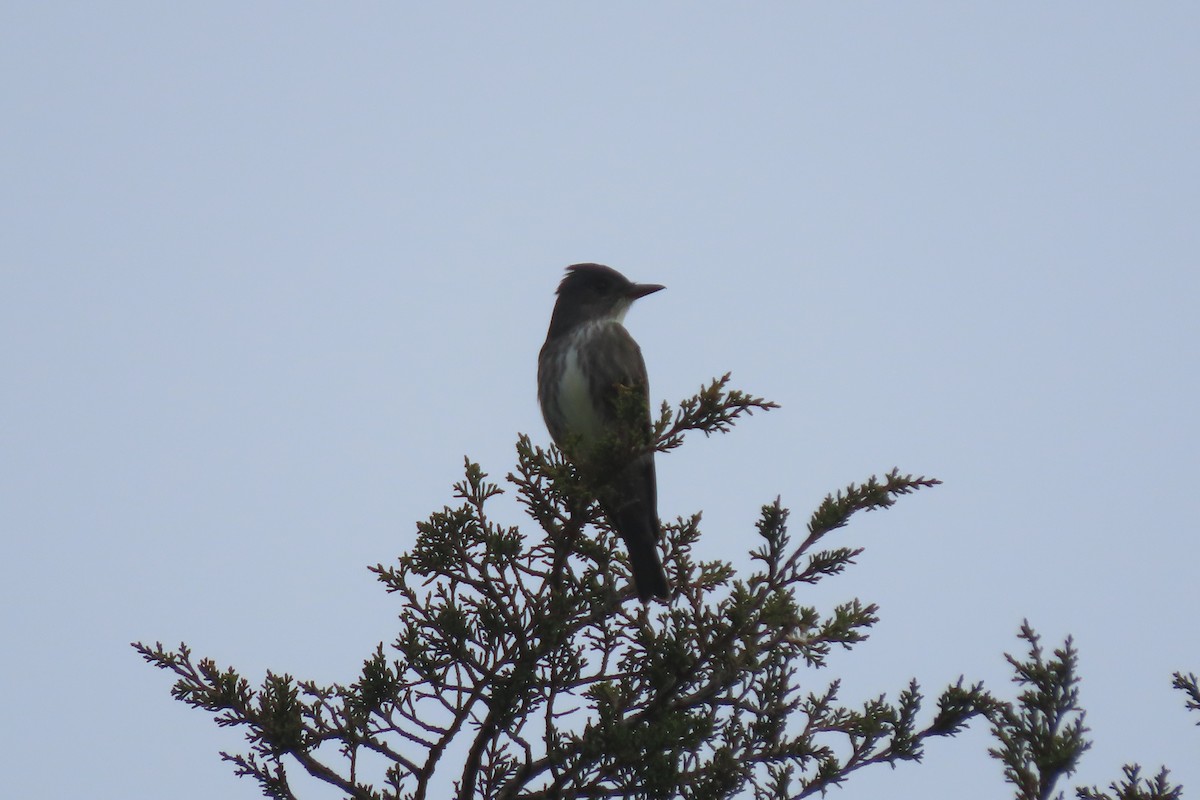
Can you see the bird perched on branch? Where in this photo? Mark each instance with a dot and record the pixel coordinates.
(594, 394)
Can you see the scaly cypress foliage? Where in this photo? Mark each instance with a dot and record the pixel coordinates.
(524, 667)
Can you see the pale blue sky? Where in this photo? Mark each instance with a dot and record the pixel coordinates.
(268, 271)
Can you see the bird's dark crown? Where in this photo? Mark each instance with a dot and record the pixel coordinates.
(593, 280)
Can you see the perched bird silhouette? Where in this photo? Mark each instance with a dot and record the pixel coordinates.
(594, 392)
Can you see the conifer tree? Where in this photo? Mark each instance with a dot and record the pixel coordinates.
(526, 650)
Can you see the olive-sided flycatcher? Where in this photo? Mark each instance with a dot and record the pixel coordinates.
(588, 356)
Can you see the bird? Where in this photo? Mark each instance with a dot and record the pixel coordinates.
(594, 394)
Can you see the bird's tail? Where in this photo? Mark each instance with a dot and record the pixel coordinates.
(631, 505)
(641, 534)
(649, 577)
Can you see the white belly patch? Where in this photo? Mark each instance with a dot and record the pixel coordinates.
(575, 402)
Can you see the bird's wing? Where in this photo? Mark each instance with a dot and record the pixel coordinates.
(617, 374)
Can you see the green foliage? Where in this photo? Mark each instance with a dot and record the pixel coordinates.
(1188, 685)
(1134, 787)
(1042, 736)
(524, 668)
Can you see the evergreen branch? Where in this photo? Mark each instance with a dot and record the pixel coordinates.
(1135, 787)
(836, 509)
(1188, 685)
(1042, 737)
(500, 631)
(711, 410)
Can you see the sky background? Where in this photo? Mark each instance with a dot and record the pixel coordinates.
(269, 271)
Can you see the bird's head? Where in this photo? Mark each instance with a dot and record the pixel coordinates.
(591, 292)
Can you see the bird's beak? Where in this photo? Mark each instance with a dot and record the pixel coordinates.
(642, 289)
